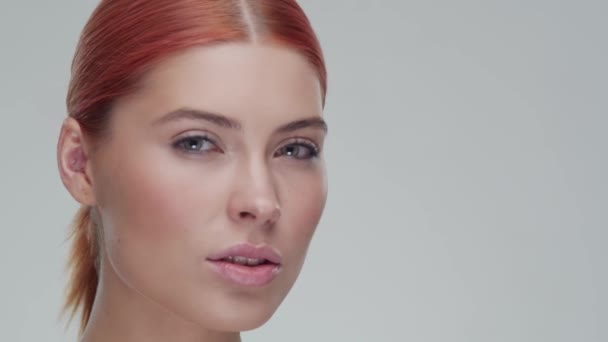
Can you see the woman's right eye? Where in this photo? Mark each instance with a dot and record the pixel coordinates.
(196, 144)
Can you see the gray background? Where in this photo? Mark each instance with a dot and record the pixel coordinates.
(467, 161)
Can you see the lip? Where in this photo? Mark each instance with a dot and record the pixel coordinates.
(248, 251)
(249, 276)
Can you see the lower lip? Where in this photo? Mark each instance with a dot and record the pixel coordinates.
(253, 276)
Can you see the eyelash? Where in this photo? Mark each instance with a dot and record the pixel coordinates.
(181, 144)
(312, 148)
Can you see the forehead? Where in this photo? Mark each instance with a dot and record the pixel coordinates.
(241, 80)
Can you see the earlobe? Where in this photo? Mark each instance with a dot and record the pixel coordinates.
(72, 160)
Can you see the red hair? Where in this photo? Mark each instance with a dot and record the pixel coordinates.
(123, 39)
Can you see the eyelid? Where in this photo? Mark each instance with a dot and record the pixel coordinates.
(200, 134)
(301, 140)
(194, 133)
(307, 142)
(197, 133)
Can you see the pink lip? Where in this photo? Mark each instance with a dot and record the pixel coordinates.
(247, 275)
(248, 251)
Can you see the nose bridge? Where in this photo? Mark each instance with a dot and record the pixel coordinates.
(258, 174)
(255, 195)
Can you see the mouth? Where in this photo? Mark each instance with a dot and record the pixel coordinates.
(244, 261)
(246, 265)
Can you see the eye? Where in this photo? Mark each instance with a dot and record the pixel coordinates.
(299, 150)
(196, 144)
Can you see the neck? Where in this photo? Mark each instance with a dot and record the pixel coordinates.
(122, 314)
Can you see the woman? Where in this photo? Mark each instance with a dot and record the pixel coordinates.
(194, 146)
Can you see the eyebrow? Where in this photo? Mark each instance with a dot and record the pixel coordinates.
(226, 122)
(315, 122)
(195, 114)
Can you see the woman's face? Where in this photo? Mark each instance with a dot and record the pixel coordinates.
(219, 147)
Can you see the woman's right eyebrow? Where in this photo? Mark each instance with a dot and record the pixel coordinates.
(196, 114)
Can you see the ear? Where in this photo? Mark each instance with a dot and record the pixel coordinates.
(73, 162)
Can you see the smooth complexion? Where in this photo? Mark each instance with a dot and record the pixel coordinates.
(220, 145)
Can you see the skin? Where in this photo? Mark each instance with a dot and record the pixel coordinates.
(165, 204)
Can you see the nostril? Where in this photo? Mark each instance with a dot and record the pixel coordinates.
(246, 215)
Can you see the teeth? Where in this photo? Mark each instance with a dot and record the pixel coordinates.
(255, 262)
(244, 261)
(240, 260)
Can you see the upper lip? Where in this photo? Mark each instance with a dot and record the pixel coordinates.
(248, 251)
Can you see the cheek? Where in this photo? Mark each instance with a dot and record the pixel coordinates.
(152, 216)
(303, 205)
(146, 198)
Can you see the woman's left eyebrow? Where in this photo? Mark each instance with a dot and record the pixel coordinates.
(314, 122)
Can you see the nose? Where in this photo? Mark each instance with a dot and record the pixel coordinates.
(254, 200)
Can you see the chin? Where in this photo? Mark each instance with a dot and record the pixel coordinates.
(247, 323)
(229, 312)
(227, 320)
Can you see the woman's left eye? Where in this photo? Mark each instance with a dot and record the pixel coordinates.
(299, 151)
